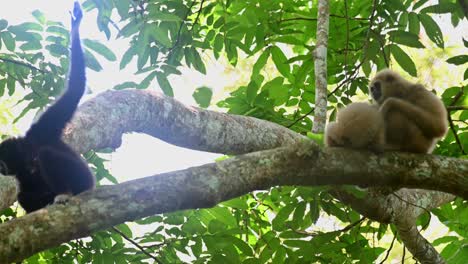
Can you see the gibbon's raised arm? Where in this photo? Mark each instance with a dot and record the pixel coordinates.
(50, 125)
(46, 168)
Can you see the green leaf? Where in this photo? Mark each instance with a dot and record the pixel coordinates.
(405, 62)
(405, 38)
(444, 240)
(27, 26)
(147, 81)
(413, 23)
(159, 34)
(298, 214)
(57, 50)
(252, 91)
(100, 49)
(39, 16)
(91, 62)
(432, 30)
(123, 7)
(261, 62)
(125, 85)
(218, 43)
(193, 226)
(8, 40)
(282, 216)
(458, 60)
(31, 45)
(197, 61)
(3, 24)
(280, 61)
(11, 84)
(304, 70)
(314, 210)
(58, 30)
(165, 85)
(224, 215)
(127, 57)
(442, 7)
(237, 203)
(419, 4)
(202, 96)
(143, 58)
(163, 16)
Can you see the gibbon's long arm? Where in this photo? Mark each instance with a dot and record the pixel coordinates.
(50, 125)
(429, 124)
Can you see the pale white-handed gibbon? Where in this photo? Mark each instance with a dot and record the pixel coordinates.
(414, 117)
(358, 126)
(43, 164)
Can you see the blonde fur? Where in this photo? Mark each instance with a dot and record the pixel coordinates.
(415, 119)
(358, 126)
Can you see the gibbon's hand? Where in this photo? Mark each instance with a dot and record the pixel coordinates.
(76, 15)
(388, 104)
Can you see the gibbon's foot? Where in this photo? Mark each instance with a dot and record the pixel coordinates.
(63, 199)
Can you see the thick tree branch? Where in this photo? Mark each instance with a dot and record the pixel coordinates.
(100, 121)
(199, 187)
(8, 190)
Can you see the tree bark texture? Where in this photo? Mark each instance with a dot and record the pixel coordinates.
(320, 63)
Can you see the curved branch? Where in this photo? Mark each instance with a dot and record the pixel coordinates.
(421, 249)
(167, 119)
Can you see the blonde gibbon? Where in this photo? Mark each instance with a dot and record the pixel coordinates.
(414, 117)
(358, 126)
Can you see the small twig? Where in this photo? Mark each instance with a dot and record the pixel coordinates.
(457, 107)
(454, 131)
(403, 255)
(449, 117)
(30, 66)
(457, 97)
(415, 205)
(180, 27)
(198, 14)
(382, 48)
(136, 245)
(389, 249)
(315, 19)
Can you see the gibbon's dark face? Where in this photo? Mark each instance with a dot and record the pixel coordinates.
(385, 84)
(376, 90)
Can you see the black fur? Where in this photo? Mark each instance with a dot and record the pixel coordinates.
(43, 164)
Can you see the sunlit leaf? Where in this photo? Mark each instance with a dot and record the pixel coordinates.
(405, 62)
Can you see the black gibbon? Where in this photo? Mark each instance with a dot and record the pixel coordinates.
(43, 164)
(358, 126)
(414, 117)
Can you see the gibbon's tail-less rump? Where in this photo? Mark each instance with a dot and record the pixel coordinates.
(415, 119)
(358, 126)
(42, 163)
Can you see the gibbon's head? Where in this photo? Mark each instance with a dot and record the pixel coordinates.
(388, 83)
(8, 156)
